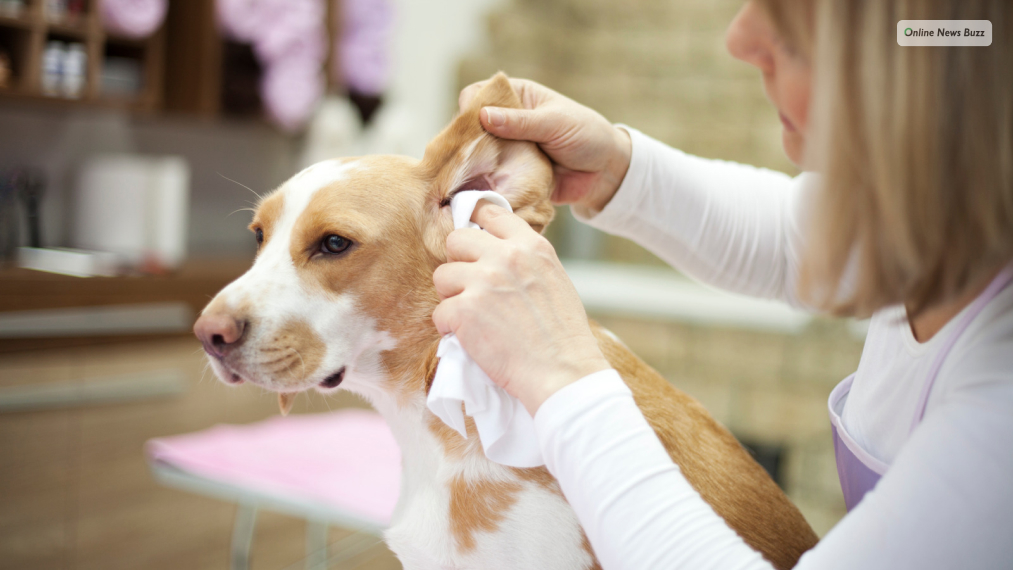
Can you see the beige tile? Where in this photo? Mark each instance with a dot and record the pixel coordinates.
(744, 358)
(822, 361)
(820, 517)
(659, 344)
(715, 395)
(29, 368)
(787, 416)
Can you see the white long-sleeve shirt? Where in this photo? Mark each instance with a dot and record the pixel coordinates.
(947, 499)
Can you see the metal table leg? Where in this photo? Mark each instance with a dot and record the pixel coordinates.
(242, 535)
(316, 545)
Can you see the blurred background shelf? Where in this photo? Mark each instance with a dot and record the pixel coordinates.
(190, 288)
(183, 67)
(24, 38)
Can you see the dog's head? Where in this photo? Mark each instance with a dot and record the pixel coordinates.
(346, 253)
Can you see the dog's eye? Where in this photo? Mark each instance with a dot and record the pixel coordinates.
(334, 244)
(260, 236)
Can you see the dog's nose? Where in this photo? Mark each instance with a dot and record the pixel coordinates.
(218, 332)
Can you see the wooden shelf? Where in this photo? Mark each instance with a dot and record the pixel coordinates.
(25, 37)
(22, 22)
(75, 31)
(184, 65)
(194, 284)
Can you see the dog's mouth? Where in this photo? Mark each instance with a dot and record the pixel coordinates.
(334, 380)
(286, 396)
(226, 373)
(287, 399)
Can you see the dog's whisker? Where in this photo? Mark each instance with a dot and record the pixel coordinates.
(259, 197)
(302, 361)
(326, 402)
(204, 371)
(242, 210)
(270, 362)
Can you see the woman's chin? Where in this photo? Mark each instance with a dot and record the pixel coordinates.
(794, 147)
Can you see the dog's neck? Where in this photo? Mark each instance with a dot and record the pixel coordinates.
(400, 396)
(432, 452)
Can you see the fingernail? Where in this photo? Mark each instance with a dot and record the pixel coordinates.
(495, 117)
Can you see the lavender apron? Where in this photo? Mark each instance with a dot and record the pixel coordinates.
(857, 469)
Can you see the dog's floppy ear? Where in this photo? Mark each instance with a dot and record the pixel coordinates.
(465, 157)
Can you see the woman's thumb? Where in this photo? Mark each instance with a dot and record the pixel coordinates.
(518, 124)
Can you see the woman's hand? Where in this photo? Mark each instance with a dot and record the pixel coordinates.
(506, 296)
(590, 156)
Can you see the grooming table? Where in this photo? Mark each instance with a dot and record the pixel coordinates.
(341, 468)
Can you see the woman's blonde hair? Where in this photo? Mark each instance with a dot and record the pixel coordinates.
(915, 148)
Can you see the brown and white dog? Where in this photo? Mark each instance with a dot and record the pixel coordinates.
(341, 293)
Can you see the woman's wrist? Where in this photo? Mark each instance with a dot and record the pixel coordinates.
(614, 173)
(566, 373)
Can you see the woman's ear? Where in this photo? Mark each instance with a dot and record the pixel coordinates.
(465, 157)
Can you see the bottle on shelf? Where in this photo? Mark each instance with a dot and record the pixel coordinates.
(52, 67)
(74, 70)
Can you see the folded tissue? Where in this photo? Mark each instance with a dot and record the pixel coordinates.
(505, 428)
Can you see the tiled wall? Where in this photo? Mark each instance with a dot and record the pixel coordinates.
(661, 66)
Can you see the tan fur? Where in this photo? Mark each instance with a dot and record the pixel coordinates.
(294, 352)
(268, 212)
(478, 506)
(586, 545)
(521, 172)
(395, 210)
(541, 477)
(455, 446)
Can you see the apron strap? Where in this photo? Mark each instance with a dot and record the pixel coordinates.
(994, 288)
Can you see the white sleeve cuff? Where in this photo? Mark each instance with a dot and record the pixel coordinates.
(627, 197)
(636, 508)
(560, 408)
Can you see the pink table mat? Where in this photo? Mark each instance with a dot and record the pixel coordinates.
(348, 459)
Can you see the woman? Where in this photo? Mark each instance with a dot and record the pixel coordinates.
(910, 220)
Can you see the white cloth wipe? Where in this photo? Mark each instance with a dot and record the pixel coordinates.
(505, 428)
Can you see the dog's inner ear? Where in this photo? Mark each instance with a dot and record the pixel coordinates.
(465, 157)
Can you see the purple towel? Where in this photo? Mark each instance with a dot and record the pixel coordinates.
(291, 90)
(363, 53)
(133, 18)
(289, 38)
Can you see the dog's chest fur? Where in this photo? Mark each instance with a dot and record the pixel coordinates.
(458, 510)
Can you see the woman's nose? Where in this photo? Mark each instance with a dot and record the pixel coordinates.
(750, 37)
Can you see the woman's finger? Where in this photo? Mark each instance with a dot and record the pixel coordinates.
(450, 279)
(446, 316)
(468, 244)
(499, 222)
(536, 125)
